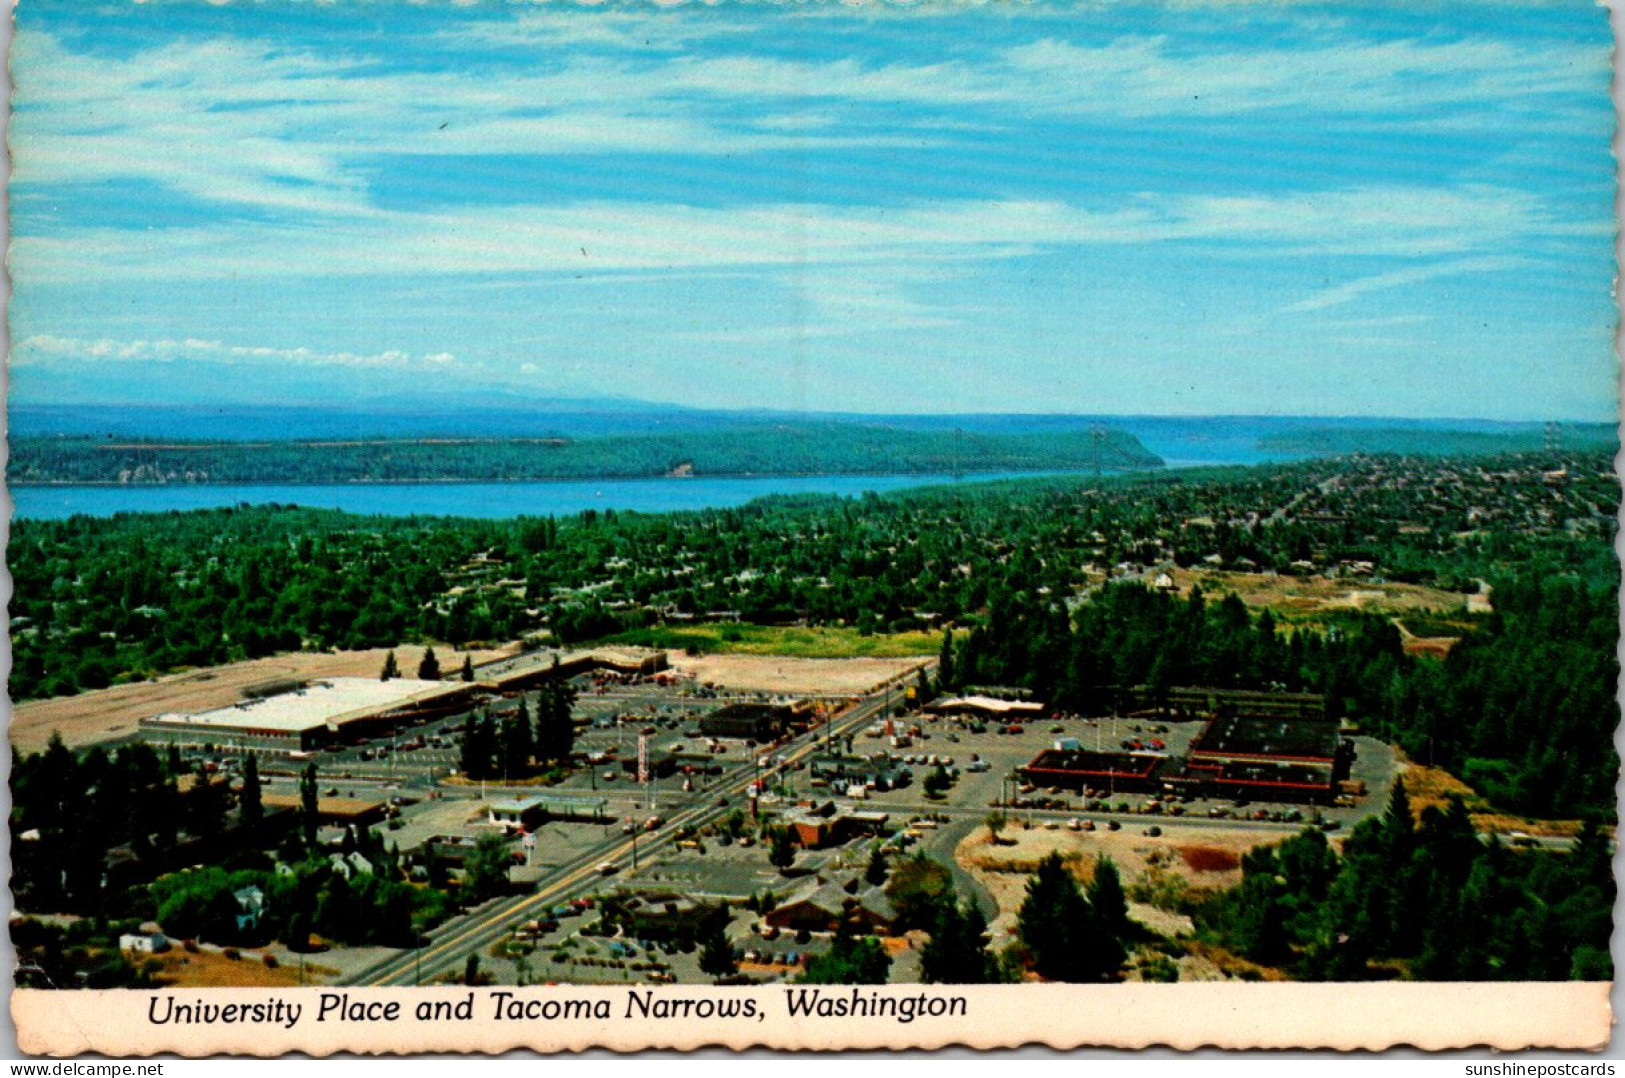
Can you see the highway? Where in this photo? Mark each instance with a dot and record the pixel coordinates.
(449, 948)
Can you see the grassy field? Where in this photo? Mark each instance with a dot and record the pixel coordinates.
(1318, 600)
(822, 642)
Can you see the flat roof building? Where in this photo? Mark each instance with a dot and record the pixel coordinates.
(528, 812)
(990, 707)
(1269, 758)
(1076, 769)
(1191, 701)
(753, 722)
(533, 668)
(307, 716)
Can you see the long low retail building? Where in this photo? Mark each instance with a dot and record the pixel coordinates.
(303, 717)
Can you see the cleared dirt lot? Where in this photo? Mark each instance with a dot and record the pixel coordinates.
(107, 714)
(776, 674)
(212, 969)
(1198, 858)
(1306, 595)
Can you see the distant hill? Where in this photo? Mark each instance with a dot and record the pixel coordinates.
(740, 450)
(1433, 441)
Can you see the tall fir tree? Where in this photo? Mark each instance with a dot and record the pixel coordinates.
(1060, 931)
(429, 666)
(309, 805)
(250, 804)
(957, 952)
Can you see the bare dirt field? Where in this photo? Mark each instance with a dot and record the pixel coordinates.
(1436, 647)
(112, 713)
(1190, 858)
(1187, 859)
(212, 969)
(790, 676)
(1308, 595)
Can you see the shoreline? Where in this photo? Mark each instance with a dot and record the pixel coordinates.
(107, 484)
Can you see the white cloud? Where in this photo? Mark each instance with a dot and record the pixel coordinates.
(258, 124)
(1144, 76)
(45, 349)
(612, 28)
(1350, 291)
(596, 237)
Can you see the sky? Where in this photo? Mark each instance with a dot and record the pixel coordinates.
(1203, 207)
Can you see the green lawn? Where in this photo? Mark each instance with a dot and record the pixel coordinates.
(821, 642)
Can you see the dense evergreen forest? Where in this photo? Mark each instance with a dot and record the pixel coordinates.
(1431, 900)
(1429, 441)
(1044, 582)
(760, 449)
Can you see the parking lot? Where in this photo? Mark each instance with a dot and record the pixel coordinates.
(982, 760)
(985, 762)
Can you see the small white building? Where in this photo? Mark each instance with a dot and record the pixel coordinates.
(144, 943)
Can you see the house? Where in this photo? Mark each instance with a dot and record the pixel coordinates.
(816, 826)
(144, 943)
(250, 908)
(666, 916)
(350, 865)
(824, 905)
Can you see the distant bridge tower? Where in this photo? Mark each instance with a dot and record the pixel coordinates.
(1554, 438)
(1097, 442)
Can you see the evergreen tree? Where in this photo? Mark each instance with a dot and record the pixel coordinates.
(206, 805)
(468, 667)
(1107, 900)
(515, 744)
(478, 748)
(297, 935)
(391, 669)
(957, 952)
(555, 721)
(874, 874)
(429, 667)
(849, 960)
(717, 954)
(924, 692)
(251, 805)
(485, 873)
(947, 676)
(309, 805)
(782, 850)
(1061, 932)
(918, 885)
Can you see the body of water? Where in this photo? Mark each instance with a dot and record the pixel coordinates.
(490, 500)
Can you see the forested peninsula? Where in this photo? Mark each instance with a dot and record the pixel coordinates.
(756, 450)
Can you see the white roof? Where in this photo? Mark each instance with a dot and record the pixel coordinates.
(334, 701)
(987, 703)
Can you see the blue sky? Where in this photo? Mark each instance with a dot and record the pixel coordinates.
(1221, 207)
